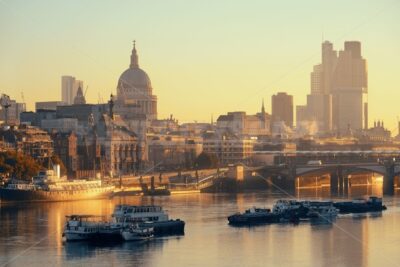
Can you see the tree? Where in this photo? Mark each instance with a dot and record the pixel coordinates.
(18, 165)
(206, 161)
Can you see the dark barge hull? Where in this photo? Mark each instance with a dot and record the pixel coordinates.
(358, 208)
(171, 227)
(240, 220)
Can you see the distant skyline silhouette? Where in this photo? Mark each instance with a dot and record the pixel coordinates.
(203, 57)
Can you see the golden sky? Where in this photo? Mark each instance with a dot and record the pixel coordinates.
(203, 57)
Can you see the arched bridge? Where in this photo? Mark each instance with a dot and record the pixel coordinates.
(339, 172)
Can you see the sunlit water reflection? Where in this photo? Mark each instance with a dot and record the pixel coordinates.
(30, 235)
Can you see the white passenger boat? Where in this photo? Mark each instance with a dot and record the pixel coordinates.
(135, 214)
(148, 216)
(49, 185)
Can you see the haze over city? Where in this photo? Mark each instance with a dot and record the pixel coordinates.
(199, 133)
(203, 57)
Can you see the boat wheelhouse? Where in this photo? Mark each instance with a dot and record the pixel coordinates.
(135, 214)
(82, 227)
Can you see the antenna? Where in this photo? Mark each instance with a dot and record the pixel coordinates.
(87, 86)
(23, 97)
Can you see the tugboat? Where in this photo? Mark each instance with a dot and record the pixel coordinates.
(137, 233)
(81, 227)
(372, 204)
(153, 191)
(254, 216)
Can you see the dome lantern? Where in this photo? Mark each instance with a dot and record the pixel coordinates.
(134, 57)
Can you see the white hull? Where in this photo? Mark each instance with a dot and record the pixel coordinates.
(129, 236)
(12, 195)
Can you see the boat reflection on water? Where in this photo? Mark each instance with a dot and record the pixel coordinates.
(361, 216)
(323, 221)
(376, 214)
(137, 250)
(348, 241)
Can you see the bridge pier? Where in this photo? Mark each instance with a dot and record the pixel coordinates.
(339, 181)
(291, 178)
(388, 179)
(345, 178)
(334, 177)
(283, 183)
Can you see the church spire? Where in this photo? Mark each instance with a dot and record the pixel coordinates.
(79, 99)
(134, 57)
(263, 107)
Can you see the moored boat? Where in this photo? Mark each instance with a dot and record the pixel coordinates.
(323, 212)
(254, 216)
(372, 204)
(81, 227)
(291, 208)
(148, 216)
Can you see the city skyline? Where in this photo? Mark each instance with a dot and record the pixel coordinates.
(212, 70)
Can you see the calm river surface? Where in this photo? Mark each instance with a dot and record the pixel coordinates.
(30, 235)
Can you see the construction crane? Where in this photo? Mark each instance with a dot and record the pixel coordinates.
(87, 86)
(5, 103)
(100, 99)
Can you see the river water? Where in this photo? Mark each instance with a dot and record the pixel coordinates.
(30, 235)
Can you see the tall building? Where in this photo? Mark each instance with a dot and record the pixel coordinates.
(329, 61)
(69, 88)
(319, 102)
(282, 109)
(319, 110)
(349, 89)
(338, 99)
(134, 91)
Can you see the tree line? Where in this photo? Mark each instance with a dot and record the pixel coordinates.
(20, 166)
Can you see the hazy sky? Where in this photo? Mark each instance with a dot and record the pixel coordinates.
(202, 57)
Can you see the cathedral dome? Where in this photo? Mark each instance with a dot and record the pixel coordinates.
(134, 77)
(134, 83)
